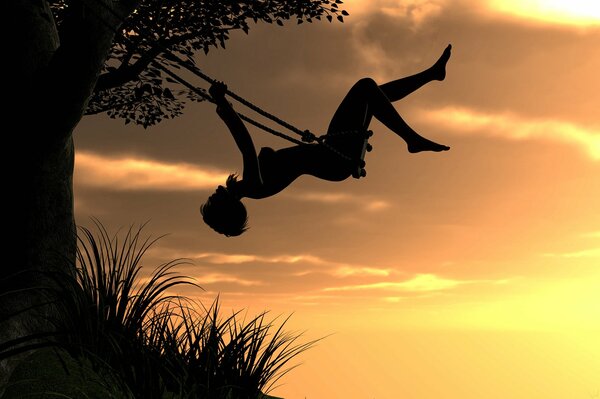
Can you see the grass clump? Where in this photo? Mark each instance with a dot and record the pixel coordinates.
(152, 344)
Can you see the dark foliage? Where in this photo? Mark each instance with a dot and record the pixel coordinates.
(132, 88)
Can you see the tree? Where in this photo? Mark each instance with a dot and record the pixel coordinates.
(68, 58)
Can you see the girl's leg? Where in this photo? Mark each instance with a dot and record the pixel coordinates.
(400, 88)
(365, 100)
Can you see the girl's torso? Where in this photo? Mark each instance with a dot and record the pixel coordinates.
(279, 168)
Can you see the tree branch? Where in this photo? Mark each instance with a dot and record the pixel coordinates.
(126, 74)
(67, 82)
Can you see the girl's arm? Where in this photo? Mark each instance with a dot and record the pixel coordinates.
(239, 132)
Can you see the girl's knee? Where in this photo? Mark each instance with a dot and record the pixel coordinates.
(366, 82)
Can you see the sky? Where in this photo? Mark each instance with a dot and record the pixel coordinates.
(472, 273)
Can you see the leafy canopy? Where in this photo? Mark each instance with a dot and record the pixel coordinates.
(131, 87)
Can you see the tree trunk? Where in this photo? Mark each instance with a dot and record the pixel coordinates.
(47, 85)
(39, 217)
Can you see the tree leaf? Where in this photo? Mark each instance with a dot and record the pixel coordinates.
(167, 93)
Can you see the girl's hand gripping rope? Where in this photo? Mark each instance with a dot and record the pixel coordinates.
(217, 91)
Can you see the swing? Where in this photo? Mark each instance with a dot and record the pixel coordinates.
(306, 136)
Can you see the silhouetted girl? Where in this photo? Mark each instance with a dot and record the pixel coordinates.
(273, 170)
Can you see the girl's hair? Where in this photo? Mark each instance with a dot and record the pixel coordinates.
(224, 212)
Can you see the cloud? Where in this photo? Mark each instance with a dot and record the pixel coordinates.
(218, 258)
(416, 11)
(562, 12)
(135, 173)
(393, 299)
(375, 206)
(214, 278)
(577, 13)
(367, 203)
(336, 269)
(222, 258)
(346, 271)
(326, 198)
(419, 283)
(509, 125)
(586, 253)
(380, 29)
(592, 234)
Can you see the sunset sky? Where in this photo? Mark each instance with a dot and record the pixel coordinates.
(470, 274)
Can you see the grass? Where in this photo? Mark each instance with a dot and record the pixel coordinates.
(157, 345)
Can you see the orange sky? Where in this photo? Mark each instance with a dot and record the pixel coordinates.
(468, 274)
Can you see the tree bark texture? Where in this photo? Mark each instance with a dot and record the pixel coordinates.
(51, 73)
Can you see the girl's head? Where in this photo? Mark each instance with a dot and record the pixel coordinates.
(224, 212)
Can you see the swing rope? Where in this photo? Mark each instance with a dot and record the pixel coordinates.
(306, 135)
(207, 97)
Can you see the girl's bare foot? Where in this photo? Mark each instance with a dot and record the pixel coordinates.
(419, 144)
(439, 68)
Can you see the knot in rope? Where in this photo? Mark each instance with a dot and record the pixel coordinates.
(308, 136)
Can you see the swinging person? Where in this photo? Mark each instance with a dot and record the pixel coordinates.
(273, 170)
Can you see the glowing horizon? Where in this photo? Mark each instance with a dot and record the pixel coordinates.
(565, 12)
